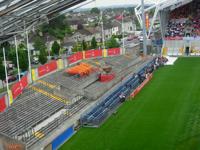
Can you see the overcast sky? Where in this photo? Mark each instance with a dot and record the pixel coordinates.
(100, 3)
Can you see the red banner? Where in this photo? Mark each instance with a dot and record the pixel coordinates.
(42, 70)
(147, 22)
(113, 51)
(47, 68)
(2, 103)
(75, 57)
(24, 82)
(106, 77)
(93, 53)
(18, 87)
(141, 86)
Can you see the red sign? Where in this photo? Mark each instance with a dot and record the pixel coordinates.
(141, 86)
(106, 77)
(93, 53)
(147, 21)
(42, 70)
(47, 68)
(75, 57)
(18, 87)
(24, 82)
(2, 103)
(113, 51)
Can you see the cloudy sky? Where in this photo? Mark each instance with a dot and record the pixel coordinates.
(100, 3)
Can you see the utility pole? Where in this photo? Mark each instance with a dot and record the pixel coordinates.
(102, 27)
(16, 51)
(5, 66)
(29, 55)
(144, 29)
(123, 32)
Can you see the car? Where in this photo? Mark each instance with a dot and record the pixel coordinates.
(11, 78)
(21, 75)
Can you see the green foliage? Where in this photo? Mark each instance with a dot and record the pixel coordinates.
(95, 10)
(55, 48)
(7, 47)
(77, 47)
(12, 56)
(57, 27)
(43, 57)
(23, 60)
(39, 44)
(93, 43)
(112, 43)
(117, 36)
(84, 45)
(2, 71)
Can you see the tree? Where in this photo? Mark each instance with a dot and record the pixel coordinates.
(112, 43)
(39, 44)
(55, 48)
(43, 57)
(84, 45)
(2, 72)
(95, 10)
(57, 27)
(93, 43)
(23, 60)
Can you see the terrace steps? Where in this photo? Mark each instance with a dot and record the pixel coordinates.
(50, 85)
(58, 98)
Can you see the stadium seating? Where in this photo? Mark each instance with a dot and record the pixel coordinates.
(184, 21)
(96, 116)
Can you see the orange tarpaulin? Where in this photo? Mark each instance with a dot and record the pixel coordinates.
(81, 69)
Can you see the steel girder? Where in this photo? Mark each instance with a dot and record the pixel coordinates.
(159, 6)
(16, 15)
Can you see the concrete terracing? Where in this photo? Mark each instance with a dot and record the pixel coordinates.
(55, 102)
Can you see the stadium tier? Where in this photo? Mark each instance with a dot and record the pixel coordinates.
(61, 97)
(182, 32)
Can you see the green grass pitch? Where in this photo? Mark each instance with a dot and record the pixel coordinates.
(164, 116)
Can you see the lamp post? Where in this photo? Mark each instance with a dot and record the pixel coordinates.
(123, 33)
(29, 55)
(144, 29)
(5, 66)
(102, 28)
(17, 56)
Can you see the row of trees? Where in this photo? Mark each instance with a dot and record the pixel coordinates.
(111, 43)
(11, 56)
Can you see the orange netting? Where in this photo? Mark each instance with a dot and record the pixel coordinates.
(81, 69)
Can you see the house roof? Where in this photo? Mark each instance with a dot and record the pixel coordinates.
(76, 21)
(107, 26)
(84, 32)
(94, 30)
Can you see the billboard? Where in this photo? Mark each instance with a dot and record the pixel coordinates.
(113, 51)
(18, 87)
(2, 103)
(75, 57)
(93, 54)
(47, 68)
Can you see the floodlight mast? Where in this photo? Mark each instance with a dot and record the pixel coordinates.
(144, 29)
(17, 57)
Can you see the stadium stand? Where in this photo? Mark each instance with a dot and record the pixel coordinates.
(182, 31)
(56, 97)
(184, 21)
(109, 103)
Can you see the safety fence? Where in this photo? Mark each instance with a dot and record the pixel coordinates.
(55, 65)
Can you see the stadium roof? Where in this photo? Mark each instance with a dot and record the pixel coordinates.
(16, 15)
